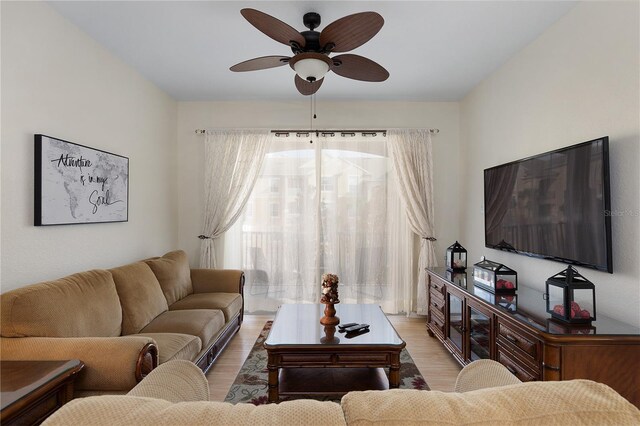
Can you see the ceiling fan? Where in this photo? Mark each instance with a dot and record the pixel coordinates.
(311, 48)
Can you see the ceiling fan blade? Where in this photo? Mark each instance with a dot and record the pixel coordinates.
(358, 68)
(273, 27)
(307, 88)
(351, 31)
(261, 63)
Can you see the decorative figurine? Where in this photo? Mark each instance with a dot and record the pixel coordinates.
(329, 298)
(329, 335)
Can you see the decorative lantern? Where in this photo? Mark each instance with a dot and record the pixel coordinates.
(571, 297)
(495, 277)
(456, 258)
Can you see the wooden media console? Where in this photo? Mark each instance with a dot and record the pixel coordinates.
(516, 331)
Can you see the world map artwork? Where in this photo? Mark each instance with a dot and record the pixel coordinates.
(78, 184)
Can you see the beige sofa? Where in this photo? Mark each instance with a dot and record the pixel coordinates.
(486, 393)
(124, 321)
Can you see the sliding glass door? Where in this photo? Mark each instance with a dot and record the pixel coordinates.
(330, 206)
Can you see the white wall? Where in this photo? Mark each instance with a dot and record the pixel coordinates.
(333, 115)
(578, 81)
(58, 81)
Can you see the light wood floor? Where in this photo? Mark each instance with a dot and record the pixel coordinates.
(436, 364)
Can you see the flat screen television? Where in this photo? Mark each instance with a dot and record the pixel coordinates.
(554, 205)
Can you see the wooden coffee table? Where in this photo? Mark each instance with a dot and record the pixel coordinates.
(298, 340)
(33, 390)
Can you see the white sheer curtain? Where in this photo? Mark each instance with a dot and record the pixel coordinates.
(410, 152)
(233, 159)
(331, 206)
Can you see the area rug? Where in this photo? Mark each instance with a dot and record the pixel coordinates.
(251, 384)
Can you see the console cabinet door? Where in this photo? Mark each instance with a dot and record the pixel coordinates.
(456, 325)
(479, 327)
(469, 328)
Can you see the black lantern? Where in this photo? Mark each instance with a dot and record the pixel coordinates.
(495, 277)
(571, 297)
(456, 258)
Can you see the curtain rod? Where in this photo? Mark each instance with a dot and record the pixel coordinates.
(326, 132)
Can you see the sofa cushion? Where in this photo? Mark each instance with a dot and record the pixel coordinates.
(203, 323)
(173, 272)
(229, 303)
(175, 346)
(140, 296)
(571, 402)
(80, 305)
(133, 410)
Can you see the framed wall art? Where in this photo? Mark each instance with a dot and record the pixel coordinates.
(76, 184)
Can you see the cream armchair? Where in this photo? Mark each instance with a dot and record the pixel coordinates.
(486, 394)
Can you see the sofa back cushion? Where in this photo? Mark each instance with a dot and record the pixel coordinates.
(572, 402)
(110, 410)
(173, 272)
(140, 296)
(80, 305)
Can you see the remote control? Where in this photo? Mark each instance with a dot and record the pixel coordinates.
(341, 327)
(356, 328)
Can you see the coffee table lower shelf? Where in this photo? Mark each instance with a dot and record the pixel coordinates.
(334, 382)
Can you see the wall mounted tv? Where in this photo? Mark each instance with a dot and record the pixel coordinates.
(554, 205)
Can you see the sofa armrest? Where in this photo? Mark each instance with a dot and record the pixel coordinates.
(174, 381)
(217, 281)
(484, 373)
(111, 363)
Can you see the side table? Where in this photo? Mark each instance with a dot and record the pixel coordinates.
(33, 390)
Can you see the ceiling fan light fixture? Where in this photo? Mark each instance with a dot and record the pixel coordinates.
(311, 69)
(311, 49)
(311, 66)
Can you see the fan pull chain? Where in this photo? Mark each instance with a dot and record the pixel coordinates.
(312, 115)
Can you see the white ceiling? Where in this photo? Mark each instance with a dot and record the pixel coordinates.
(433, 50)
